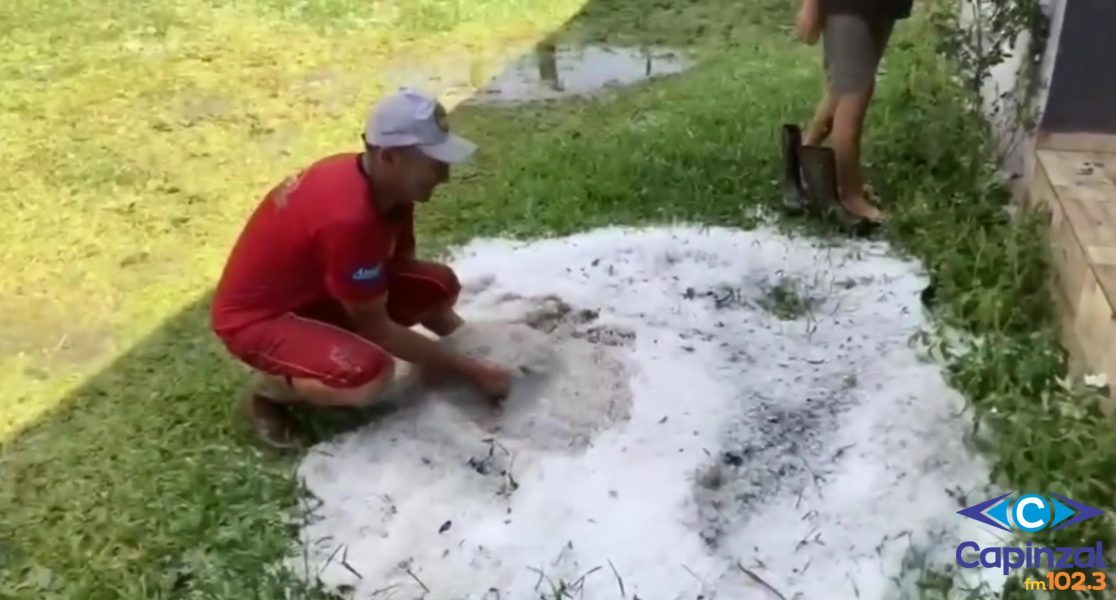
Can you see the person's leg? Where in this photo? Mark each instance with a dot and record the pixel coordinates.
(822, 122)
(265, 404)
(853, 47)
(848, 126)
(303, 360)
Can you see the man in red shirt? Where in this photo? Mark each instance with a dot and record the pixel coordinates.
(322, 288)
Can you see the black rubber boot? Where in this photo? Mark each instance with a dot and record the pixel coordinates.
(819, 173)
(794, 194)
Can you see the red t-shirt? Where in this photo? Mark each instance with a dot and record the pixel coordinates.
(314, 237)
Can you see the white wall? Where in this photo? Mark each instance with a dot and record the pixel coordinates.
(1016, 144)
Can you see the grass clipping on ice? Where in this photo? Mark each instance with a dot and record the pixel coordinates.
(703, 412)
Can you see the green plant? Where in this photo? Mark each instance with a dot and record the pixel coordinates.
(982, 36)
(1047, 433)
(786, 299)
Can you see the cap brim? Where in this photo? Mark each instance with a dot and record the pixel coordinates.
(455, 149)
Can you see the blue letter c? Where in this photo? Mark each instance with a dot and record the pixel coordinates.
(961, 561)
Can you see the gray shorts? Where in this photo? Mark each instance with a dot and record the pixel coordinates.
(852, 47)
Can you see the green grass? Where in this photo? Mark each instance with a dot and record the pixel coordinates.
(784, 299)
(141, 135)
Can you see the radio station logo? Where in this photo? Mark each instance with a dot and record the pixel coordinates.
(1029, 514)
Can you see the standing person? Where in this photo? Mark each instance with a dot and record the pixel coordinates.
(321, 289)
(854, 35)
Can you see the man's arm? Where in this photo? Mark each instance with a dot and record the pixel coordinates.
(808, 23)
(374, 323)
(355, 276)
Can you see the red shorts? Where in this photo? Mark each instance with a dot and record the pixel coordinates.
(320, 342)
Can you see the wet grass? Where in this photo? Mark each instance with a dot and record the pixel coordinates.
(785, 300)
(143, 134)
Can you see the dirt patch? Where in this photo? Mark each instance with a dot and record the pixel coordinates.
(776, 449)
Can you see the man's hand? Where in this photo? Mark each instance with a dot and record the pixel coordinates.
(374, 323)
(493, 379)
(808, 23)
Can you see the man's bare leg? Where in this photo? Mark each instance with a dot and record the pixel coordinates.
(822, 123)
(853, 47)
(265, 404)
(316, 393)
(848, 125)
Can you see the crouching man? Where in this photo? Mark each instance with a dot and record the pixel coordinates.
(322, 287)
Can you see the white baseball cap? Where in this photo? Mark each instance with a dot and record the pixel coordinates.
(411, 118)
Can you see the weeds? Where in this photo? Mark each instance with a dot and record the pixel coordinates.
(786, 300)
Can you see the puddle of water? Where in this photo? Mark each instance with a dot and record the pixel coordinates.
(550, 72)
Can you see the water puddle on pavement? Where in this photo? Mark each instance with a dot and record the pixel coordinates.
(550, 72)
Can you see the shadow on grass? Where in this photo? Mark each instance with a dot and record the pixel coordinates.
(143, 484)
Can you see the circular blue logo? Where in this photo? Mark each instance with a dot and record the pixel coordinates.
(1031, 513)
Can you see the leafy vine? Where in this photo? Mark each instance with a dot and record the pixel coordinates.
(982, 35)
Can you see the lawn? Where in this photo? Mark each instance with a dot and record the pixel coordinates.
(140, 136)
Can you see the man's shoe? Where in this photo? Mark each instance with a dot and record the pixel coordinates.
(794, 195)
